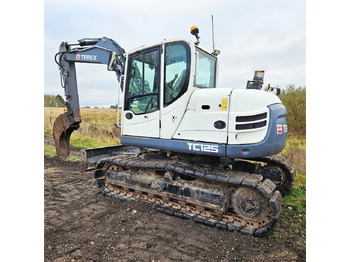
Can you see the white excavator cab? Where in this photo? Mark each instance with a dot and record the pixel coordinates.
(171, 102)
(159, 81)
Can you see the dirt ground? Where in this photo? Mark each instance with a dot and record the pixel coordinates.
(83, 225)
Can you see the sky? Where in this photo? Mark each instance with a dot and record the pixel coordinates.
(252, 35)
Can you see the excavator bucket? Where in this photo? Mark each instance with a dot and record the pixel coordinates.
(62, 130)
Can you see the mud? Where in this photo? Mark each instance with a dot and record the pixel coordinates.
(83, 225)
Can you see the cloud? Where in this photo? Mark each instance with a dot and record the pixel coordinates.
(251, 35)
(280, 54)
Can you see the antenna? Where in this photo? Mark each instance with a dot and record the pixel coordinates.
(212, 31)
(215, 51)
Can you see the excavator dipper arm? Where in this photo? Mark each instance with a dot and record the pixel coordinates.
(88, 50)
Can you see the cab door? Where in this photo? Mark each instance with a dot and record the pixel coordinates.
(176, 91)
(141, 113)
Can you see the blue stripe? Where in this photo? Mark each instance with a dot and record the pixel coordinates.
(183, 146)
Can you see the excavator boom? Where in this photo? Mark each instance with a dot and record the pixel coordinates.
(88, 50)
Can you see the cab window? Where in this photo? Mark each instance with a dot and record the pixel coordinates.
(142, 92)
(177, 70)
(206, 70)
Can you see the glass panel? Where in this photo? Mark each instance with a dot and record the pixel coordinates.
(206, 70)
(142, 91)
(176, 71)
(135, 77)
(144, 104)
(151, 72)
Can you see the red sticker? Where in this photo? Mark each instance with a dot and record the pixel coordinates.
(279, 129)
(78, 57)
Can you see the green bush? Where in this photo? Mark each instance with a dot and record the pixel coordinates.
(53, 101)
(294, 99)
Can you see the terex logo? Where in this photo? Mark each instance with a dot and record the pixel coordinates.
(203, 148)
(86, 57)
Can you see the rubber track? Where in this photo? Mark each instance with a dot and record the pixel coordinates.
(233, 178)
(278, 161)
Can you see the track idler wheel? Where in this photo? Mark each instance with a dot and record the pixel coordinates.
(62, 130)
(282, 178)
(249, 204)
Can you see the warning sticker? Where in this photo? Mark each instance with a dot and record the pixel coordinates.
(224, 104)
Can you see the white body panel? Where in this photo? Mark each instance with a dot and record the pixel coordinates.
(248, 103)
(198, 122)
(142, 125)
(203, 110)
(171, 116)
(249, 100)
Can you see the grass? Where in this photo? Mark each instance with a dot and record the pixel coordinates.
(295, 214)
(97, 128)
(295, 153)
(51, 152)
(294, 99)
(297, 197)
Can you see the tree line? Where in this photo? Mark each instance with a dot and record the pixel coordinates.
(294, 99)
(53, 101)
(58, 101)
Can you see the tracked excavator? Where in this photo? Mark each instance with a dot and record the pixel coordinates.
(196, 151)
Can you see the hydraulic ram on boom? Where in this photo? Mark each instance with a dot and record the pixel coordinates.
(88, 50)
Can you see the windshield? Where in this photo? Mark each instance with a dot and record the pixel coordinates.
(177, 71)
(205, 70)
